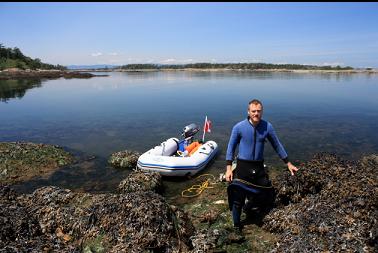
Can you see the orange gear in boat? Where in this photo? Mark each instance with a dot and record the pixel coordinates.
(193, 147)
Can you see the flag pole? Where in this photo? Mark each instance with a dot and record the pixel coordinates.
(204, 126)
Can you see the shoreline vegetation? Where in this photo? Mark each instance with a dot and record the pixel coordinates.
(232, 67)
(299, 71)
(15, 65)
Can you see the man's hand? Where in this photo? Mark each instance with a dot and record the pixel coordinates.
(292, 168)
(229, 173)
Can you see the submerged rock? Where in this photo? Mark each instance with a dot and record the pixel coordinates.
(21, 161)
(330, 205)
(124, 159)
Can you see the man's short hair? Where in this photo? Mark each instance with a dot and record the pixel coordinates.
(255, 102)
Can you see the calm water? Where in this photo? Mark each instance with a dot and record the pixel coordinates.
(98, 116)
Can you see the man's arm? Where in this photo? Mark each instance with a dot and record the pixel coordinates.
(229, 175)
(292, 168)
(233, 142)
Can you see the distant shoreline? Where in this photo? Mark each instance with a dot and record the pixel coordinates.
(10, 74)
(299, 71)
(37, 74)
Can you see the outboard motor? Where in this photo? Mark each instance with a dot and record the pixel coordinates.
(190, 130)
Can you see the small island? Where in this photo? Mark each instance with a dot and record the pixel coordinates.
(15, 65)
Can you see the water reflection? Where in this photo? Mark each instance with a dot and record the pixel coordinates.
(16, 88)
(208, 75)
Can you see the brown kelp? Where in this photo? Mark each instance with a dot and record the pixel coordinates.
(330, 205)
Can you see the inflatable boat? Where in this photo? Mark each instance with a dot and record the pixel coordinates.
(179, 158)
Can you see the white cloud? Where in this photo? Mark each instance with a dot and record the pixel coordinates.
(332, 64)
(188, 60)
(177, 61)
(169, 61)
(113, 54)
(96, 54)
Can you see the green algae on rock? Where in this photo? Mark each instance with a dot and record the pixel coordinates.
(21, 161)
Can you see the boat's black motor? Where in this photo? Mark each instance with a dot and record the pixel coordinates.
(190, 130)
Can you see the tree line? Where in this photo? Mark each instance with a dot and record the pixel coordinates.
(14, 58)
(234, 66)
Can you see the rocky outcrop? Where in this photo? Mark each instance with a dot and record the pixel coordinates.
(61, 220)
(124, 159)
(139, 181)
(330, 205)
(20, 228)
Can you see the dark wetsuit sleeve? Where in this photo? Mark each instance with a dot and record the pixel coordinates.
(234, 141)
(276, 144)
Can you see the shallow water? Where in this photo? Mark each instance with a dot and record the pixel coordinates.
(311, 113)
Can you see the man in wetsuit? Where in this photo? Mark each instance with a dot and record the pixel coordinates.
(250, 177)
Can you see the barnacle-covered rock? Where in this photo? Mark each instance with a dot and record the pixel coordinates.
(330, 205)
(205, 240)
(56, 219)
(183, 224)
(124, 159)
(141, 181)
(20, 228)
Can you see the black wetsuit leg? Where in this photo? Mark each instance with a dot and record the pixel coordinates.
(239, 196)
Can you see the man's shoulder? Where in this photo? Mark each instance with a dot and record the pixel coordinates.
(267, 124)
(241, 123)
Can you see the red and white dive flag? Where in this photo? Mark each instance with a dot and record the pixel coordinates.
(206, 128)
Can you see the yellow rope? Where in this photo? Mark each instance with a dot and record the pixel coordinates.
(196, 189)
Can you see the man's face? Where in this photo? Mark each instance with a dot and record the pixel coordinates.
(255, 112)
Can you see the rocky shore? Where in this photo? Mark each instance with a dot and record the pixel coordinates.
(39, 74)
(52, 219)
(330, 205)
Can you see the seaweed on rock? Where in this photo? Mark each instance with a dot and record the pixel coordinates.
(329, 205)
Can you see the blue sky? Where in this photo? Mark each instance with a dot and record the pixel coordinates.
(175, 33)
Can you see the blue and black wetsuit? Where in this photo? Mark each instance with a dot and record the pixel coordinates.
(250, 162)
(251, 141)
